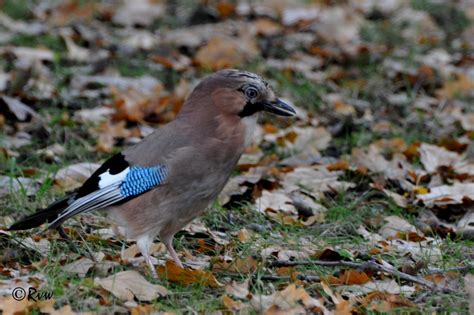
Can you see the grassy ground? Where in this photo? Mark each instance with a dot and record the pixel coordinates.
(345, 212)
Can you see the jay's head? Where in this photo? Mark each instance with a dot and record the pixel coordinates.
(241, 94)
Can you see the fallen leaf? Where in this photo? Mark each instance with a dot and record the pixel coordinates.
(389, 286)
(239, 290)
(10, 185)
(461, 85)
(73, 176)
(384, 302)
(95, 115)
(223, 52)
(232, 305)
(287, 302)
(395, 225)
(244, 235)
(126, 285)
(28, 55)
(21, 111)
(398, 199)
(469, 288)
(79, 267)
(350, 277)
(138, 12)
(467, 121)
(316, 179)
(187, 276)
(448, 195)
(432, 157)
(275, 201)
(465, 226)
(240, 264)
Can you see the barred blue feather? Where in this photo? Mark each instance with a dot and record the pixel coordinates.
(114, 188)
(141, 179)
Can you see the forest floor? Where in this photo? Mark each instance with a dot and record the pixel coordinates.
(364, 203)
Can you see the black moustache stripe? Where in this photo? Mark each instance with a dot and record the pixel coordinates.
(250, 109)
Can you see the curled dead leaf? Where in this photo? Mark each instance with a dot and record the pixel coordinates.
(187, 276)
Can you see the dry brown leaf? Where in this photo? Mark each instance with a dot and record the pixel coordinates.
(73, 176)
(128, 284)
(427, 248)
(20, 110)
(138, 12)
(276, 201)
(232, 305)
(186, 276)
(297, 139)
(469, 288)
(109, 133)
(95, 115)
(384, 302)
(239, 290)
(467, 121)
(398, 199)
(224, 52)
(447, 195)
(10, 306)
(267, 27)
(432, 157)
(350, 277)
(10, 185)
(16, 141)
(28, 55)
(244, 235)
(465, 226)
(131, 252)
(373, 160)
(460, 86)
(79, 267)
(292, 14)
(241, 265)
(287, 302)
(133, 105)
(340, 26)
(389, 286)
(395, 225)
(340, 165)
(316, 179)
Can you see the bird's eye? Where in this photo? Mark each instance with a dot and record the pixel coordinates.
(251, 92)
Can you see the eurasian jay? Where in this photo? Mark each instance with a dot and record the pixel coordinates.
(159, 185)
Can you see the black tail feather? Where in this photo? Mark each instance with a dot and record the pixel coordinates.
(45, 215)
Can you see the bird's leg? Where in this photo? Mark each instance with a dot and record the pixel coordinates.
(169, 246)
(143, 244)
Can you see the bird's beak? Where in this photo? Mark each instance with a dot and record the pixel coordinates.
(278, 107)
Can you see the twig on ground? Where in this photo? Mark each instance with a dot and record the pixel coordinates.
(368, 265)
(461, 269)
(275, 278)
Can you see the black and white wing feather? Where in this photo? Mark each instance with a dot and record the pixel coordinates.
(114, 182)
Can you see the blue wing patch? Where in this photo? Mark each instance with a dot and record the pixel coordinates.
(141, 179)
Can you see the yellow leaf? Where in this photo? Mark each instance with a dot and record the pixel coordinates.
(421, 190)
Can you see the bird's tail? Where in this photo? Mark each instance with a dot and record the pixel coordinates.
(44, 215)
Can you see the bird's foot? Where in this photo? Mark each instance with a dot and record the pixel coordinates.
(173, 254)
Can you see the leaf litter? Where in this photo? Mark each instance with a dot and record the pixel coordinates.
(381, 151)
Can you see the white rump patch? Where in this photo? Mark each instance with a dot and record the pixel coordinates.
(107, 179)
